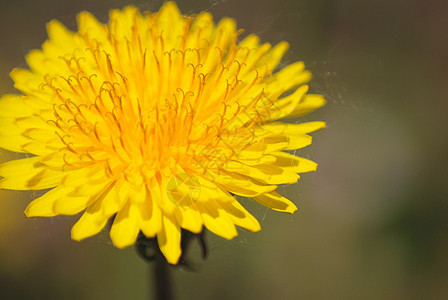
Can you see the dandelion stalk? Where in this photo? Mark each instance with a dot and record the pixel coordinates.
(163, 280)
(149, 251)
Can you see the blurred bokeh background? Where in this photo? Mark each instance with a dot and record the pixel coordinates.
(372, 222)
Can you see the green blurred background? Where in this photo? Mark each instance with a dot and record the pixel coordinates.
(372, 222)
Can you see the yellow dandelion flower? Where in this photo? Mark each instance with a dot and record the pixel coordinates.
(159, 118)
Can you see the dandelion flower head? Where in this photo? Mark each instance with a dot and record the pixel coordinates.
(158, 119)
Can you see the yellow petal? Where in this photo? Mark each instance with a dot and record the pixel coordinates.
(44, 205)
(35, 60)
(265, 159)
(169, 240)
(170, 20)
(276, 202)
(150, 217)
(308, 104)
(287, 78)
(25, 80)
(60, 36)
(42, 64)
(75, 202)
(282, 136)
(251, 41)
(201, 30)
(14, 107)
(8, 128)
(14, 143)
(159, 195)
(89, 25)
(294, 163)
(217, 220)
(255, 58)
(94, 219)
(242, 186)
(35, 122)
(283, 107)
(298, 141)
(240, 216)
(121, 22)
(269, 144)
(28, 174)
(273, 57)
(293, 129)
(125, 229)
(91, 222)
(80, 177)
(225, 31)
(268, 174)
(183, 189)
(190, 219)
(210, 191)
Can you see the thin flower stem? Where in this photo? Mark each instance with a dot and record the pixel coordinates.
(162, 279)
(148, 249)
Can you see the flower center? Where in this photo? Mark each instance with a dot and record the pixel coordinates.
(144, 111)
